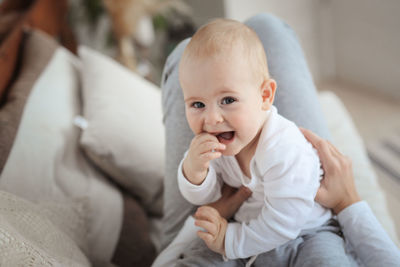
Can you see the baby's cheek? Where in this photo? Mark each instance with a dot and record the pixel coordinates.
(194, 124)
(249, 129)
(196, 130)
(245, 121)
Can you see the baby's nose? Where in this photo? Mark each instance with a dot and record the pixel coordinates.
(213, 117)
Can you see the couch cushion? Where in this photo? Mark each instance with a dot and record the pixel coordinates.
(135, 246)
(45, 162)
(347, 139)
(124, 135)
(34, 62)
(9, 50)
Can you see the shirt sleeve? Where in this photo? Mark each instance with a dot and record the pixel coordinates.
(289, 190)
(207, 192)
(367, 237)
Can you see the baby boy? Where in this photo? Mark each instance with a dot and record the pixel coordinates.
(240, 139)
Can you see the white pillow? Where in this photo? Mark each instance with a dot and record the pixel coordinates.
(33, 235)
(125, 134)
(349, 142)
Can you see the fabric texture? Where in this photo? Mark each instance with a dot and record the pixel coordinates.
(349, 142)
(125, 134)
(296, 99)
(39, 235)
(367, 237)
(134, 248)
(46, 164)
(9, 50)
(174, 250)
(46, 15)
(34, 60)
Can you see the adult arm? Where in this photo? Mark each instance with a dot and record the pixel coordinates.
(338, 192)
(367, 236)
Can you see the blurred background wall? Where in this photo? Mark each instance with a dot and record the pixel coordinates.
(354, 41)
(351, 41)
(366, 38)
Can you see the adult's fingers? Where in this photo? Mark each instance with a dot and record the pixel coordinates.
(318, 142)
(311, 137)
(323, 147)
(336, 151)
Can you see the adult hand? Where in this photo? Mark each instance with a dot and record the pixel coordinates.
(337, 190)
(230, 201)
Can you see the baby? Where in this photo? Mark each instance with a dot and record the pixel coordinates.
(240, 139)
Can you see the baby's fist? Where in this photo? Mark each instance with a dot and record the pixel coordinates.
(214, 226)
(203, 148)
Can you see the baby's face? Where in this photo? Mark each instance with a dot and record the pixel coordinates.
(222, 98)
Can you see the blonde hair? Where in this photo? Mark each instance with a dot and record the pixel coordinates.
(220, 37)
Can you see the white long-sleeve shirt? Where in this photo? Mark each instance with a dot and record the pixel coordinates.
(285, 175)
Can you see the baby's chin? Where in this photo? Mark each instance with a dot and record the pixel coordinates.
(228, 152)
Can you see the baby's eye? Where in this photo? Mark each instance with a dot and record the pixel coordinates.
(198, 105)
(228, 100)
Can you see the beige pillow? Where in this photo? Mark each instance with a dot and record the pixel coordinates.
(35, 235)
(124, 134)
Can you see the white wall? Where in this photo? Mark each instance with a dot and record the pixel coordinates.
(205, 10)
(367, 43)
(300, 15)
(354, 41)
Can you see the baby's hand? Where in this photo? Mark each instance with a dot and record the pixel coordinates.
(214, 226)
(203, 148)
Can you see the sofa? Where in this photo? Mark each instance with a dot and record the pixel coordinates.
(82, 158)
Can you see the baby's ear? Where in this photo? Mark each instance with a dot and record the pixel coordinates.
(268, 89)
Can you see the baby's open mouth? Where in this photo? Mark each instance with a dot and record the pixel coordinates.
(225, 137)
